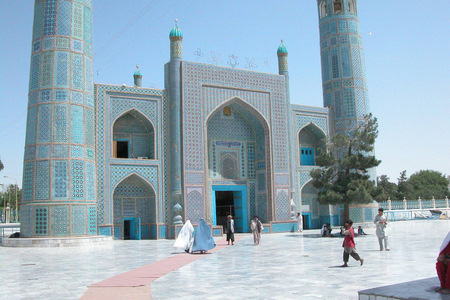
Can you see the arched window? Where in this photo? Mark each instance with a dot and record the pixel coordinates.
(351, 7)
(133, 137)
(337, 6)
(323, 9)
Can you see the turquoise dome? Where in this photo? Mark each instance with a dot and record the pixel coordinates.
(282, 49)
(137, 73)
(176, 32)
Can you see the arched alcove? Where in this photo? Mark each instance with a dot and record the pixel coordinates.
(134, 202)
(310, 138)
(133, 136)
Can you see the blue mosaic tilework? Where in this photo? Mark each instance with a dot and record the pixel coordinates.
(148, 108)
(252, 197)
(48, 43)
(194, 178)
(117, 232)
(45, 96)
(77, 20)
(61, 96)
(149, 173)
(62, 42)
(64, 17)
(195, 209)
(105, 231)
(42, 182)
(90, 154)
(33, 98)
(261, 177)
(28, 179)
(238, 128)
(304, 177)
(77, 71)
(89, 78)
(43, 151)
(262, 207)
(30, 153)
(304, 120)
(281, 179)
(25, 220)
(62, 67)
(76, 152)
(41, 221)
(346, 64)
(46, 69)
(117, 209)
(60, 186)
(60, 123)
(77, 175)
(77, 124)
(90, 180)
(77, 45)
(38, 19)
(241, 81)
(349, 103)
(50, 17)
(283, 205)
(79, 220)
(34, 73)
(60, 220)
(88, 49)
(87, 24)
(92, 220)
(76, 97)
(60, 151)
(90, 126)
(89, 100)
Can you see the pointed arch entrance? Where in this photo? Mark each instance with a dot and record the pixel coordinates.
(310, 139)
(238, 160)
(134, 202)
(310, 206)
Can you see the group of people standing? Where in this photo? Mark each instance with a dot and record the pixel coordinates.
(255, 225)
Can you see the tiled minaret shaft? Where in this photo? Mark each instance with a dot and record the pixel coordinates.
(59, 184)
(343, 66)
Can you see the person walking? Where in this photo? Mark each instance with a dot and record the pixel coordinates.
(299, 222)
(229, 230)
(381, 223)
(349, 244)
(257, 228)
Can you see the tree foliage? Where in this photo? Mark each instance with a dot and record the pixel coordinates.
(385, 189)
(8, 195)
(344, 174)
(1, 165)
(427, 184)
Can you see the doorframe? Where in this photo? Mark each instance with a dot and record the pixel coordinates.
(231, 188)
(307, 220)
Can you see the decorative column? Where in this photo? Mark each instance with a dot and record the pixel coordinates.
(59, 183)
(175, 142)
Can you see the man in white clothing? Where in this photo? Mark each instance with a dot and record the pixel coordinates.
(380, 221)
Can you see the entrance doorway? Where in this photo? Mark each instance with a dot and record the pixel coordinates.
(132, 228)
(230, 200)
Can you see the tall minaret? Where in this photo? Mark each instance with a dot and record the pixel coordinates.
(283, 69)
(59, 184)
(175, 143)
(343, 67)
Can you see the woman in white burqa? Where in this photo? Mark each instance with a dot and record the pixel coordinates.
(184, 239)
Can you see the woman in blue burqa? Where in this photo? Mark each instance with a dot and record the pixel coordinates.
(203, 240)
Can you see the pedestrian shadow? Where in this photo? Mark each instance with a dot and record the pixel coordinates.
(340, 266)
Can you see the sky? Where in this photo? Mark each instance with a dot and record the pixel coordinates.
(406, 46)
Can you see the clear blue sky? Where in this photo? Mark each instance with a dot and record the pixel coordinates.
(407, 60)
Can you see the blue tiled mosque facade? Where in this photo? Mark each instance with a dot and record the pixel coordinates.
(135, 162)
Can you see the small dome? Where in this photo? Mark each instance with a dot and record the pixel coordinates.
(137, 72)
(282, 48)
(176, 32)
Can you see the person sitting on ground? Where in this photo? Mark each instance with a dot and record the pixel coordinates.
(326, 230)
(361, 231)
(443, 266)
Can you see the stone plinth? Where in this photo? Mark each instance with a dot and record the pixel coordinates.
(417, 289)
(57, 242)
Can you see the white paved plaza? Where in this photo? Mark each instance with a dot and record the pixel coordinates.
(283, 266)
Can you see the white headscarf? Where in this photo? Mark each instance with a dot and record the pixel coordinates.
(445, 242)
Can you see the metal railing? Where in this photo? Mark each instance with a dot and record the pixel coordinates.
(415, 204)
(7, 229)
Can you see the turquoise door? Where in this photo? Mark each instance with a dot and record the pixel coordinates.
(241, 219)
(307, 156)
(238, 212)
(133, 230)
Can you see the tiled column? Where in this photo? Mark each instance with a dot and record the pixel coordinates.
(59, 184)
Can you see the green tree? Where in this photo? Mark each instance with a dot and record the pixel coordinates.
(427, 184)
(403, 186)
(385, 189)
(1, 165)
(343, 174)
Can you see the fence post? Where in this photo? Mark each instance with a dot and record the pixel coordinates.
(434, 203)
(389, 203)
(420, 202)
(405, 204)
(446, 201)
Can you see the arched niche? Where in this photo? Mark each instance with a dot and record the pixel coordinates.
(310, 139)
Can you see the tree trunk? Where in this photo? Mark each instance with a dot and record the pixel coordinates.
(346, 213)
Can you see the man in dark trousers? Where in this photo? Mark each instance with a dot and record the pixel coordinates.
(229, 230)
(349, 244)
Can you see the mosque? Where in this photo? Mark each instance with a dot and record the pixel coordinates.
(136, 162)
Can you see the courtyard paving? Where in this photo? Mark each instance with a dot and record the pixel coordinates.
(283, 266)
